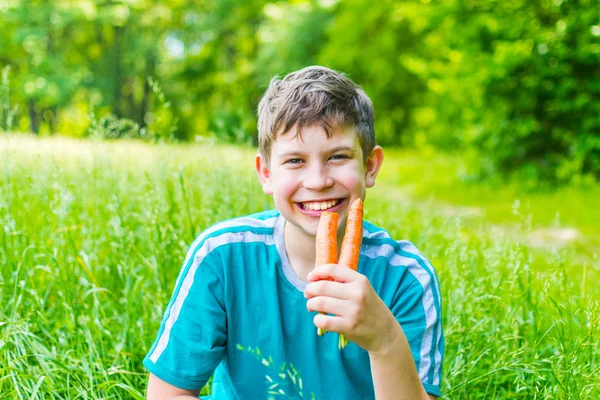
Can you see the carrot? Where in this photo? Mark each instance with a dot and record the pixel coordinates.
(326, 243)
(350, 252)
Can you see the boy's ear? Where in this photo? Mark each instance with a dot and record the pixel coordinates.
(373, 165)
(264, 174)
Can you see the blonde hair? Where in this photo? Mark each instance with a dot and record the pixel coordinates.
(314, 95)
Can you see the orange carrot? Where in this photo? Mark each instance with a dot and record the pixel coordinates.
(326, 244)
(350, 252)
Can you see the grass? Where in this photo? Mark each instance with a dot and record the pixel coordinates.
(93, 233)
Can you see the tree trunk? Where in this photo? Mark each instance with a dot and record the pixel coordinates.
(150, 66)
(53, 120)
(117, 70)
(49, 114)
(34, 122)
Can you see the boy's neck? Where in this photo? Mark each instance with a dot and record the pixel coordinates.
(300, 249)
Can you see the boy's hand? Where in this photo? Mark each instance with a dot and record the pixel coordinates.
(358, 312)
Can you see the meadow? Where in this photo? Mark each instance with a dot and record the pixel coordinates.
(93, 233)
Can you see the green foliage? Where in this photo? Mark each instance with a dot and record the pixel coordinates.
(7, 111)
(111, 127)
(369, 41)
(161, 121)
(515, 81)
(290, 38)
(548, 89)
(161, 124)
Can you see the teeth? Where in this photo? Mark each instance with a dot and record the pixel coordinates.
(317, 206)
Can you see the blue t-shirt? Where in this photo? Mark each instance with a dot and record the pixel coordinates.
(238, 310)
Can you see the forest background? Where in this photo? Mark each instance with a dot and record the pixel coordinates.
(517, 82)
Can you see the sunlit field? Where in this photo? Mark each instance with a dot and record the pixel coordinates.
(93, 234)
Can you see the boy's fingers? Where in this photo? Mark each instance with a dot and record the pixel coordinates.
(327, 288)
(331, 323)
(329, 305)
(336, 272)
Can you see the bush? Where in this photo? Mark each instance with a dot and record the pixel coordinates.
(549, 95)
(112, 127)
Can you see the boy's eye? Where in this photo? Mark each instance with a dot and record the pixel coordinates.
(294, 161)
(339, 157)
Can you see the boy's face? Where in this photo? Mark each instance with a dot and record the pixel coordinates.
(310, 174)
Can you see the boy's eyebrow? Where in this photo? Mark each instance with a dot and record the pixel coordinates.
(341, 148)
(293, 153)
(290, 154)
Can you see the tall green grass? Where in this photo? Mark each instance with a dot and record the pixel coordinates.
(93, 234)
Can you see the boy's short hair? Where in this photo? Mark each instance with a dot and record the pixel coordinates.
(314, 95)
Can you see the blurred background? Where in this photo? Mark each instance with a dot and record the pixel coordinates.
(514, 84)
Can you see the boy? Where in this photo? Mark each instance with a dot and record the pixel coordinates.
(252, 281)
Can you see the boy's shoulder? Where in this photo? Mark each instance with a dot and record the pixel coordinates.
(378, 242)
(374, 235)
(252, 222)
(263, 219)
(238, 229)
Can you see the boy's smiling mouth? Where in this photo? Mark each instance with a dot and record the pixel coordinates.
(315, 207)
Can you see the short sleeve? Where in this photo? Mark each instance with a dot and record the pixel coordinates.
(191, 339)
(417, 308)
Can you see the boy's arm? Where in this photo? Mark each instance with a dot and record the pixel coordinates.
(161, 390)
(396, 361)
(191, 341)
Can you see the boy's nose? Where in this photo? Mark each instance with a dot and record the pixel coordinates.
(317, 179)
